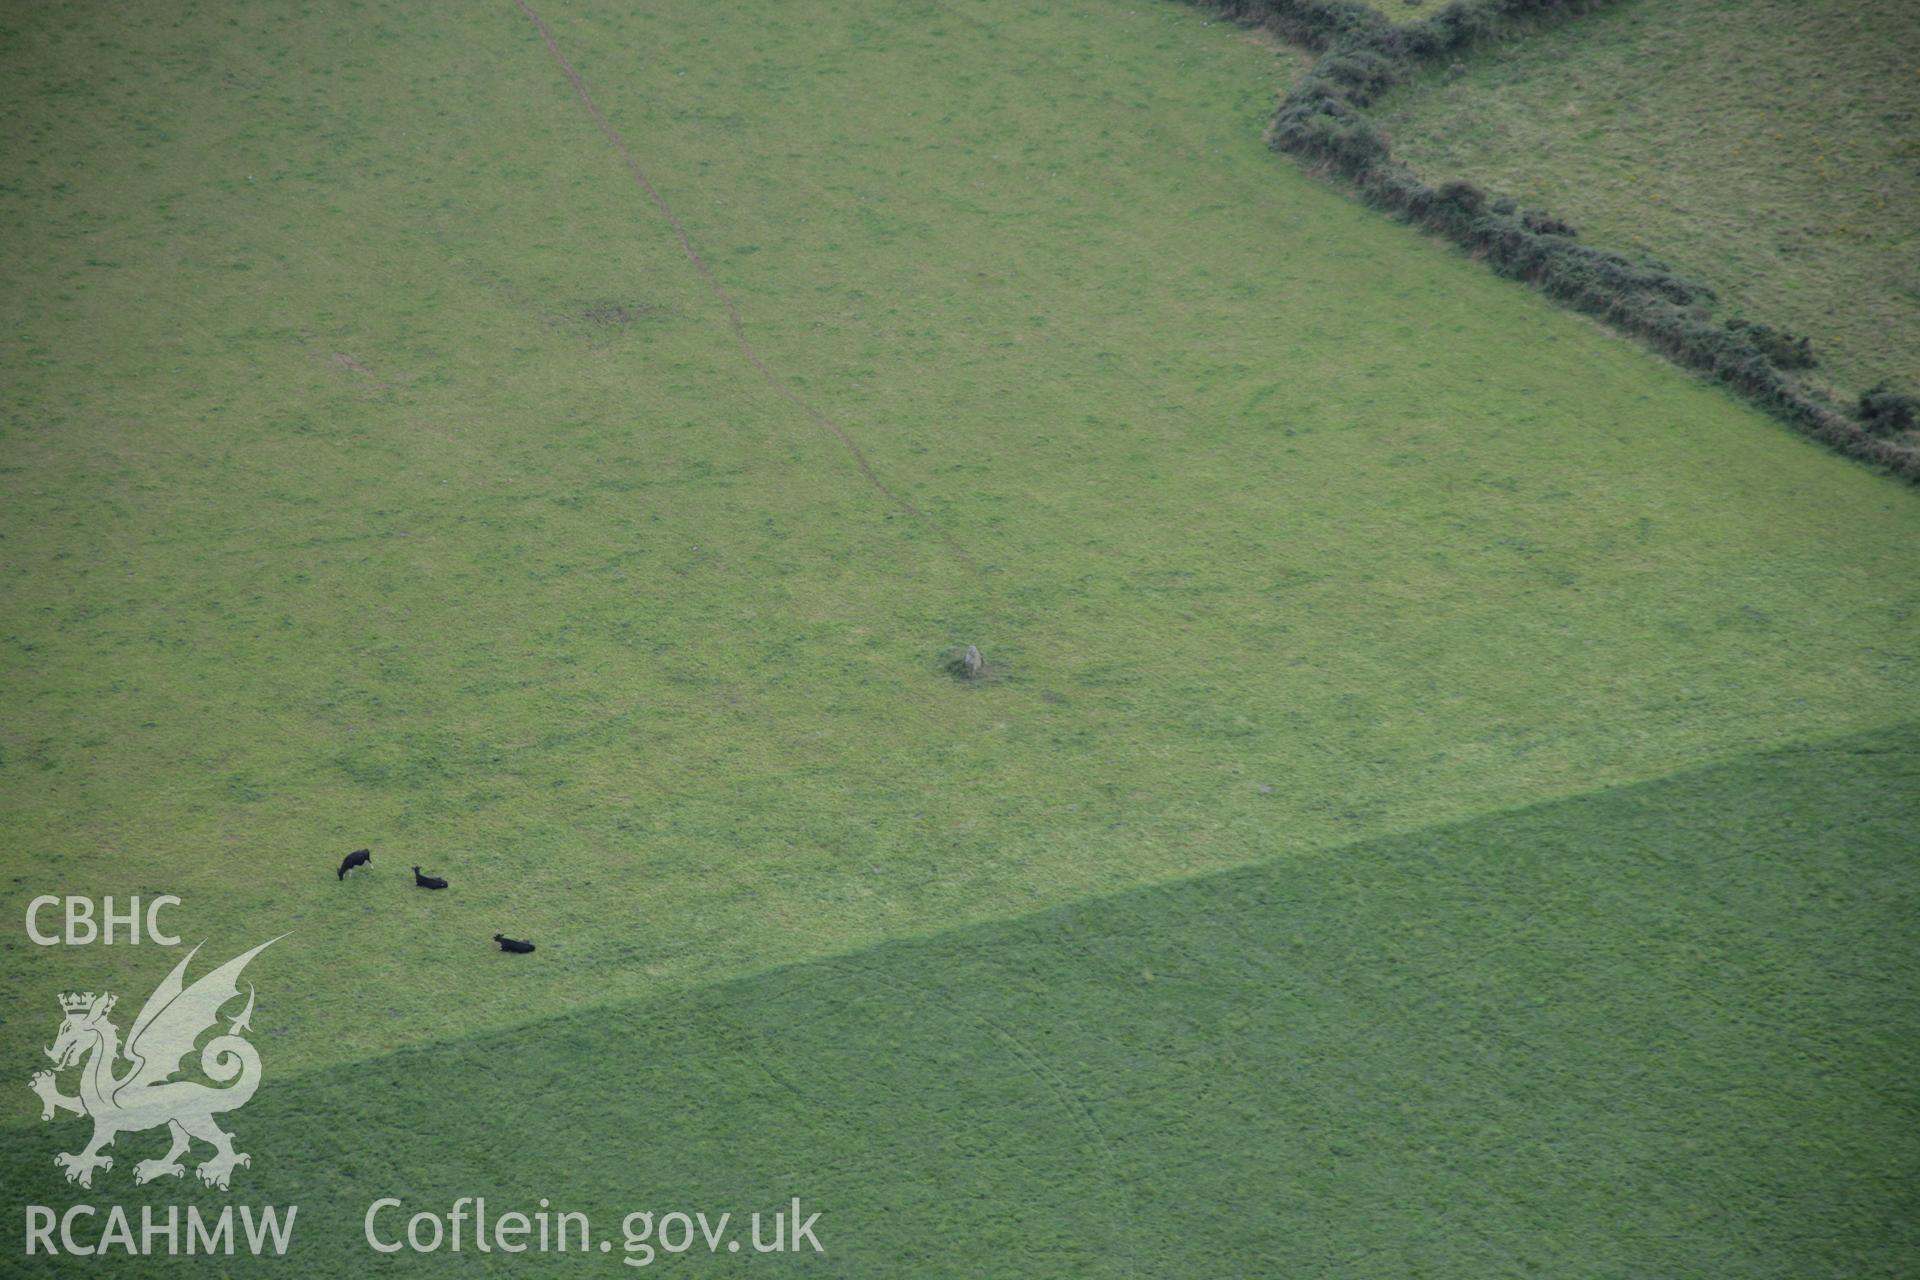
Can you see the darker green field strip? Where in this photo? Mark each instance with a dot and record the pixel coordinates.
(1666, 1029)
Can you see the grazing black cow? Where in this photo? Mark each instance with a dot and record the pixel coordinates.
(358, 858)
(512, 944)
(428, 882)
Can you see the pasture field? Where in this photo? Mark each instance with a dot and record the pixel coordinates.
(1652, 1031)
(1768, 148)
(1439, 798)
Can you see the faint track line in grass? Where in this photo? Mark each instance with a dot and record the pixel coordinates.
(747, 349)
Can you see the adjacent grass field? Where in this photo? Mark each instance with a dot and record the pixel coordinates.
(1665, 1030)
(1769, 148)
(379, 471)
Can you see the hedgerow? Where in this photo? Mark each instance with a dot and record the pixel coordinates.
(1323, 119)
(1886, 411)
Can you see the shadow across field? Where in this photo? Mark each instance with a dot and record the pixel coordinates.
(1659, 1030)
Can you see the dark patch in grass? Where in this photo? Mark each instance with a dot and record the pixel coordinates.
(617, 313)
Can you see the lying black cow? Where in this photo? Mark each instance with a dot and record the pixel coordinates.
(428, 882)
(358, 858)
(512, 944)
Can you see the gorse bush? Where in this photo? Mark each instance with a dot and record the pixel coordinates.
(1887, 412)
(1316, 24)
(1360, 71)
(1463, 196)
(1780, 347)
(1545, 224)
(1324, 120)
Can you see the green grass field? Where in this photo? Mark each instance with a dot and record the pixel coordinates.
(1439, 803)
(1654, 1031)
(1767, 147)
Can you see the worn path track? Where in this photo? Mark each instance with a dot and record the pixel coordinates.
(747, 349)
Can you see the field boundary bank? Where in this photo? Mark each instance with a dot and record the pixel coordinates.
(1869, 740)
(1322, 119)
(747, 350)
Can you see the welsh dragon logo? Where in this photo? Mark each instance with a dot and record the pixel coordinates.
(146, 1095)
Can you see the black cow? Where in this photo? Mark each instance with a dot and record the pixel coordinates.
(428, 882)
(358, 858)
(512, 944)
